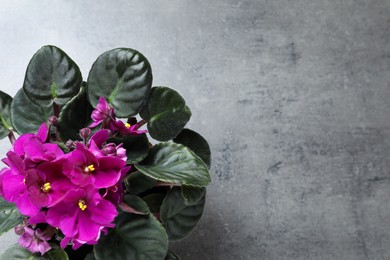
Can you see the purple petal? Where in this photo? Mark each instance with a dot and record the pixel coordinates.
(87, 229)
(14, 186)
(20, 142)
(100, 137)
(15, 163)
(25, 206)
(38, 197)
(43, 132)
(68, 224)
(104, 213)
(65, 241)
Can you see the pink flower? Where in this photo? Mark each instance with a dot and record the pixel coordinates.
(46, 185)
(98, 147)
(84, 168)
(35, 240)
(13, 185)
(81, 216)
(103, 114)
(127, 129)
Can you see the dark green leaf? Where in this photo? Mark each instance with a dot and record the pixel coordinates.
(137, 182)
(56, 253)
(196, 143)
(123, 77)
(5, 114)
(154, 201)
(137, 146)
(200, 147)
(177, 218)
(51, 76)
(75, 115)
(90, 256)
(166, 113)
(9, 216)
(17, 252)
(135, 237)
(172, 256)
(175, 163)
(134, 204)
(192, 195)
(26, 116)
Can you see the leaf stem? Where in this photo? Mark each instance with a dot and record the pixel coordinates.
(141, 123)
(56, 110)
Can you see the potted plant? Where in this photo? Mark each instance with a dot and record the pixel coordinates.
(102, 169)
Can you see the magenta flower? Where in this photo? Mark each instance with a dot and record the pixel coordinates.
(13, 185)
(84, 168)
(100, 137)
(19, 145)
(103, 114)
(35, 240)
(116, 192)
(127, 129)
(81, 216)
(98, 147)
(46, 185)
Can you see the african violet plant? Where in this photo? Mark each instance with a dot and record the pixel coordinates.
(79, 182)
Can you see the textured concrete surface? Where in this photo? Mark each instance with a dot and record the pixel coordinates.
(293, 96)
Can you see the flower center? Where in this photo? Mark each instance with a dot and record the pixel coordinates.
(89, 168)
(127, 125)
(82, 205)
(46, 187)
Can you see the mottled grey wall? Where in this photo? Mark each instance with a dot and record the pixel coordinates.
(293, 97)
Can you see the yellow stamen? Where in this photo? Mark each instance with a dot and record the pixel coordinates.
(89, 168)
(24, 180)
(46, 187)
(127, 125)
(82, 205)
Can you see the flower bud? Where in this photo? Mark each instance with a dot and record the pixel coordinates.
(71, 145)
(19, 229)
(85, 133)
(109, 149)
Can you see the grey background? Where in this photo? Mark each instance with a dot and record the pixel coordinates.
(293, 97)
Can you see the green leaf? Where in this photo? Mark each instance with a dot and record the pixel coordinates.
(134, 204)
(17, 252)
(51, 76)
(192, 195)
(123, 77)
(75, 115)
(9, 216)
(26, 116)
(172, 256)
(5, 114)
(177, 218)
(135, 237)
(201, 148)
(196, 143)
(175, 163)
(137, 182)
(90, 256)
(154, 201)
(56, 253)
(166, 113)
(137, 146)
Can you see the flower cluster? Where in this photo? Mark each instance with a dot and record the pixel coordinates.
(73, 194)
